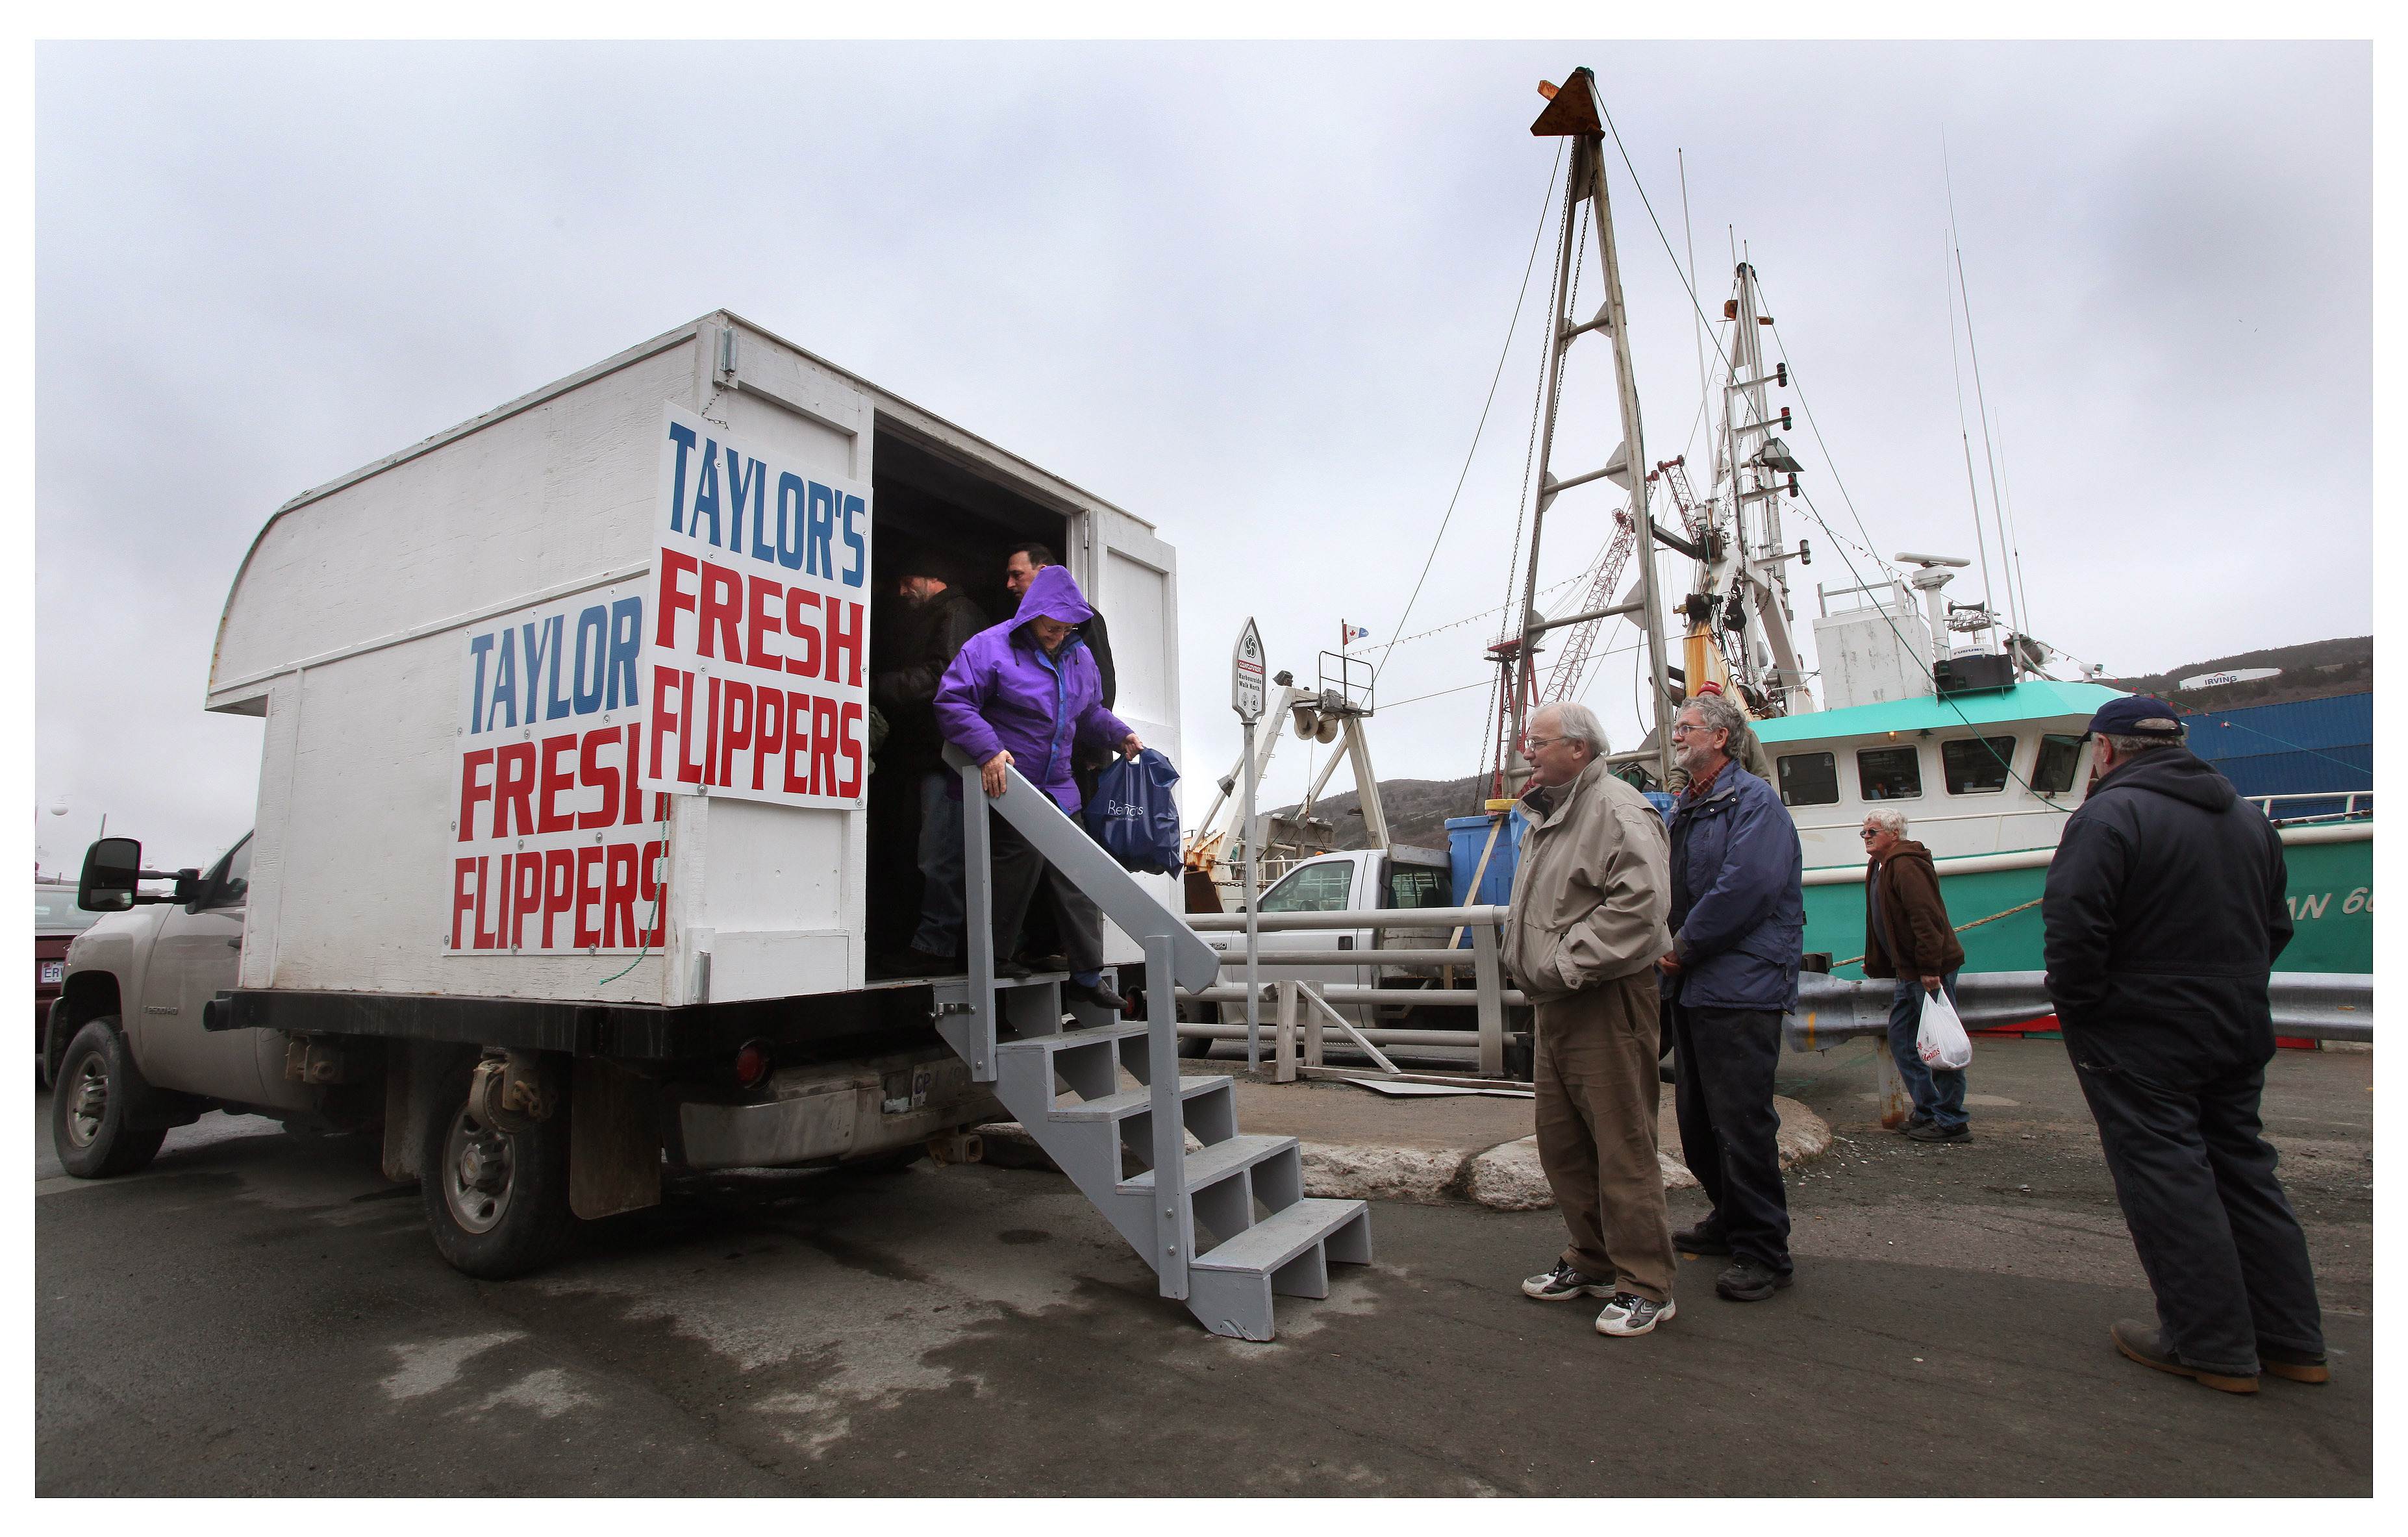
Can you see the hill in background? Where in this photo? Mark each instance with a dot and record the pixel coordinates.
(1418, 808)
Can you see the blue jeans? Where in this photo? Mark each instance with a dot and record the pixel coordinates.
(942, 913)
(1939, 1092)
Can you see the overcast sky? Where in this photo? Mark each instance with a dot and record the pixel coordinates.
(1254, 293)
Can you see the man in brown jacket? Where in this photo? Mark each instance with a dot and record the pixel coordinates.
(1907, 937)
(1590, 896)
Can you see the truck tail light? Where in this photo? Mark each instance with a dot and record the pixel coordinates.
(751, 1063)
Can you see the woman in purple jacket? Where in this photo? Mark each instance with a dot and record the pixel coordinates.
(1024, 695)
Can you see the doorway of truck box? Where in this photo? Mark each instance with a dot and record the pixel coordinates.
(933, 506)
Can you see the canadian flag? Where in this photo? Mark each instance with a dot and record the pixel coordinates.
(1348, 634)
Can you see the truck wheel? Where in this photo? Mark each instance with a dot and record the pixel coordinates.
(497, 1203)
(96, 1090)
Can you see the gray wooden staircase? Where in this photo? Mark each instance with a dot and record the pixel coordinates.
(1226, 1228)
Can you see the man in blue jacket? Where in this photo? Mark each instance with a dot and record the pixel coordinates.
(1738, 914)
(2164, 912)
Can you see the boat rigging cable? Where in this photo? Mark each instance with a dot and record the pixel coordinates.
(1545, 202)
(1964, 436)
(1816, 512)
(2017, 608)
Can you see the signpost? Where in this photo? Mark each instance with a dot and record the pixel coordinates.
(1246, 698)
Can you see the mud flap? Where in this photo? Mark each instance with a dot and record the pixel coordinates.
(614, 1140)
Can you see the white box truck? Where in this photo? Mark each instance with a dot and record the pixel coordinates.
(571, 852)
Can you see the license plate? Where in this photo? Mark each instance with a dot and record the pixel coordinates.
(54, 971)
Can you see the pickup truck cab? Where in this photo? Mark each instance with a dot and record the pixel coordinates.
(1355, 880)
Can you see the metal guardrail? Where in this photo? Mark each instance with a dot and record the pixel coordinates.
(2307, 1005)
(2355, 803)
(1307, 1007)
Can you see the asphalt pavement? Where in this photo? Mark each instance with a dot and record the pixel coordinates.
(263, 1313)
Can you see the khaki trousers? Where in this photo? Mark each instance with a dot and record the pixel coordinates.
(1596, 1106)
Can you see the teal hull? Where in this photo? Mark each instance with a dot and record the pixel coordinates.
(2332, 896)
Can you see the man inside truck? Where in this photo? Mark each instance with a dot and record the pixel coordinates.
(1026, 694)
(940, 618)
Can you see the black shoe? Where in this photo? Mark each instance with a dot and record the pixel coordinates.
(1700, 1240)
(2292, 1365)
(2140, 1342)
(1041, 963)
(1907, 1127)
(1012, 971)
(1101, 995)
(915, 962)
(1750, 1281)
(1932, 1131)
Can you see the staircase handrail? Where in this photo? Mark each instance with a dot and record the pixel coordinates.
(1371, 917)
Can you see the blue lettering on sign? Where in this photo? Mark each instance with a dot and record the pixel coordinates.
(790, 504)
(476, 649)
(683, 437)
(706, 493)
(750, 481)
(626, 642)
(822, 529)
(859, 570)
(555, 706)
(506, 683)
(595, 622)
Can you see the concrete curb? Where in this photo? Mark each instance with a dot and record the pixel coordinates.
(1505, 1178)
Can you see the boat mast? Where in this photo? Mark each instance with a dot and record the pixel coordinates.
(1576, 111)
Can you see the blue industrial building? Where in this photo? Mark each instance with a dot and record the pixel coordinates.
(2299, 747)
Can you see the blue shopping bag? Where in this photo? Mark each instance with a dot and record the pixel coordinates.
(1133, 815)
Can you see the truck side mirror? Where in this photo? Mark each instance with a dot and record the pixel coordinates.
(111, 869)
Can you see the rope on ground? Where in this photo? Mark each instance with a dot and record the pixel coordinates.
(1960, 928)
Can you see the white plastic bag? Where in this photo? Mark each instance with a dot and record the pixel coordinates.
(1941, 1043)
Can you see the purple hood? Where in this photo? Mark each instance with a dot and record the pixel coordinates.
(1004, 693)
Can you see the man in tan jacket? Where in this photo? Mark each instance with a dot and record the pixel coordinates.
(1590, 897)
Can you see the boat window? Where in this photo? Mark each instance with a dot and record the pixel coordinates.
(1314, 889)
(1976, 765)
(2053, 769)
(1810, 779)
(1890, 773)
(1418, 886)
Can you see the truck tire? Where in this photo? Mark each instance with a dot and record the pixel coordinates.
(97, 1089)
(496, 1203)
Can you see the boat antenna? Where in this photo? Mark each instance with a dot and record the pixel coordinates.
(1981, 400)
(1964, 434)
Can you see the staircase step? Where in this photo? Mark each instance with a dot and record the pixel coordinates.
(1120, 1107)
(1064, 1039)
(1282, 1236)
(1216, 1162)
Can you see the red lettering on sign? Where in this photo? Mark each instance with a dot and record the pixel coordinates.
(472, 792)
(805, 630)
(589, 894)
(652, 879)
(553, 819)
(618, 896)
(722, 611)
(668, 600)
(736, 732)
(768, 730)
(710, 736)
(591, 774)
(842, 642)
(760, 619)
(464, 899)
(851, 748)
(526, 892)
(634, 800)
(823, 718)
(484, 883)
(799, 739)
(689, 771)
(559, 887)
(514, 787)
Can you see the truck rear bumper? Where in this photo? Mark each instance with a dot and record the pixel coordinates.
(834, 1112)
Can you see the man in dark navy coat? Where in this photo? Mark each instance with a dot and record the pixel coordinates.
(2164, 912)
(1738, 915)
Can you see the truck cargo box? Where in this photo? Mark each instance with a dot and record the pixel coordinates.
(476, 692)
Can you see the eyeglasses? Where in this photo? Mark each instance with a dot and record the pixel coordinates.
(1531, 744)
(1870, 832)
(1683, 728)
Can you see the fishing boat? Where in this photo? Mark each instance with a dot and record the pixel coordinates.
(1944, 708)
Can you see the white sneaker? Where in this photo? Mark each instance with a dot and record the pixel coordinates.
(1562, 1285)
(1627, 1313)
